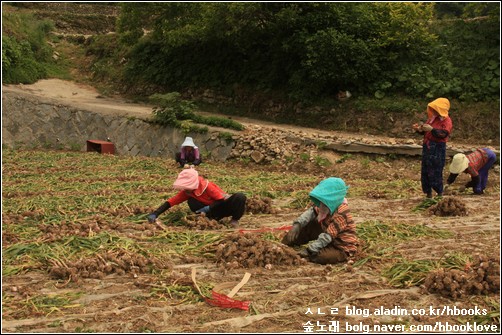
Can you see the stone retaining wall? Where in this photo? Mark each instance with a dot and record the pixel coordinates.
(29, 122)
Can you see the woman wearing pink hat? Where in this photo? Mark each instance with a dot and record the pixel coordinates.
(203, 196)
(476, 164)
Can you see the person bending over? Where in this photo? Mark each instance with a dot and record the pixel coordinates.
(203, 196)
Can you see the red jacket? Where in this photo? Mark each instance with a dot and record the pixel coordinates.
(207, 193)
(442, 128)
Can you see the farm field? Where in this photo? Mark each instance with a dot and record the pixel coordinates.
(79, 256)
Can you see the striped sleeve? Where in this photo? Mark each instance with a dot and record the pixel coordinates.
(338, 222)
(342, 229)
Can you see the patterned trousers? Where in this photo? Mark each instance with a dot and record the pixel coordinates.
(433, 161)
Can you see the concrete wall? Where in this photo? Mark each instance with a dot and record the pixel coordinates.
(29, 122)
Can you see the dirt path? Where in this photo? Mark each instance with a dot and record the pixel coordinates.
(80, 96)
(86, 97)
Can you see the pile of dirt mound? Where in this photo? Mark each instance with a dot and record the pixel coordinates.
(57, 231)
(94, 225)
(481, 277)
(202, 222)
(449, 206)
(257, 205)
(249, 251)
(100, 265)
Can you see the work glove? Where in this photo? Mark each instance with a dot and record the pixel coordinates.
(204, 209)
(292, 234)
(322, 241)
(427, 127)
(304, 253)
(307, 253)
(155, 214)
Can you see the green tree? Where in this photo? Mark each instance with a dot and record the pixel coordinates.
(25, 51)
(308, 50)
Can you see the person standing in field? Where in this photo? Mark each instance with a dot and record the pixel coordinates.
(436, 130)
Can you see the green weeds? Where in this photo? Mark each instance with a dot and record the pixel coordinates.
(50, 303)
(379, 238)
(426, 203)
(491, 317)
(172, 110)
(393, 189)
(380, 232)
(189, 243)
(344, 158)
(40, 255)
(407, 273)
(179, 293)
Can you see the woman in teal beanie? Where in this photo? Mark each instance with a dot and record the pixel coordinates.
(327, 225)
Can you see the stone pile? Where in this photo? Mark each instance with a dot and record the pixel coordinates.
(264, 146)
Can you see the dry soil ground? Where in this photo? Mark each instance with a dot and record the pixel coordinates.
(281, 297)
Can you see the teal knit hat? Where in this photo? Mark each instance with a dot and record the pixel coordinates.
(330, 192)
